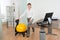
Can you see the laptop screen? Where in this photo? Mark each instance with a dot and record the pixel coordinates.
(47, 16)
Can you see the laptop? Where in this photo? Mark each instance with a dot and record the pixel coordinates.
(45, 21)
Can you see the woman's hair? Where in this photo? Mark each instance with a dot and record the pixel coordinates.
(29, 4)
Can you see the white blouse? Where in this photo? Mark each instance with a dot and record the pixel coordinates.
(29, 14)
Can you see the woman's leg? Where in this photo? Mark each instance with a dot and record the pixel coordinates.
(33, 29)
(28, 32)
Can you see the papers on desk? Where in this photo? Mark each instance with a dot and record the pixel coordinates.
(49, 20)
(54, 18)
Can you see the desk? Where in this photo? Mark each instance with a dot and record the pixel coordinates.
(55, 24)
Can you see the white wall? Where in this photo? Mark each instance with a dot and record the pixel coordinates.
(0, 6)
(43, 6)
(40, 7)
(4, 3)
(22, 6)
(19, 7)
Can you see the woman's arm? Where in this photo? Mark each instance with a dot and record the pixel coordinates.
(22, 14)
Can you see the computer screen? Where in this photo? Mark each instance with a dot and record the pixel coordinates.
(47, 16)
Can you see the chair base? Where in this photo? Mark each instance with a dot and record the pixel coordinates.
(23, 33)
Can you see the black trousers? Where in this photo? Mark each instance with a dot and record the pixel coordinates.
(28, 30)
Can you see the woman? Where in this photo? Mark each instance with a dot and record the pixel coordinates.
(29, 14)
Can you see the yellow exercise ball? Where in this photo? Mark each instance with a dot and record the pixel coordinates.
(21, 27)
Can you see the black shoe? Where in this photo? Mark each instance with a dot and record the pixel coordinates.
(28, 35)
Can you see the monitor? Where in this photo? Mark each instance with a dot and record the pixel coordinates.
(47, 16)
